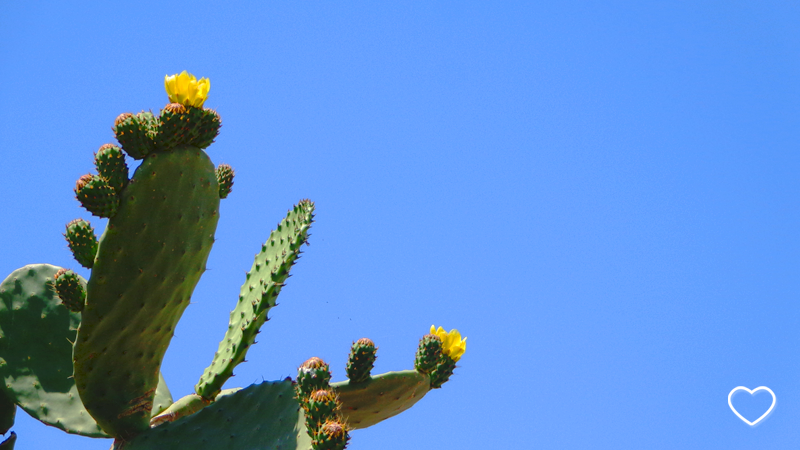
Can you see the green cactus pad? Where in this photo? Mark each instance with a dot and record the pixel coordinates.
(225, 179)
(135, 133)
(429, 353)
(70, 289)
(361, 360)
(111, 166)
(35, 351)
(260, 416)
(8, 444)
(82, 242)
(257, 296)
(96, 196)
(149, 260)
(8, 410)
(381, 397)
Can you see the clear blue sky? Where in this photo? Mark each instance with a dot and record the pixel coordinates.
(603, 196)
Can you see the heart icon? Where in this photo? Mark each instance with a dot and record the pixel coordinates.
(751, 392)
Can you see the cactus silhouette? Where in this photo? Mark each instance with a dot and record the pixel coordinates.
(85, 355)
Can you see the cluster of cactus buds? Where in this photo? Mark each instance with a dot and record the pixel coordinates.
(321, 406)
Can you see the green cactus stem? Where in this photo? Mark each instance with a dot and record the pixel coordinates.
(361, 360)
(96, 195)
(149, 260)
(225, 179)
(264, 415)
(82, 242)
(111, 166)
(70, 290)
(36, 332)
(381, 397)
(257, 296)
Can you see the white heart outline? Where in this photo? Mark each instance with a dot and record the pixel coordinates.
(751, 392)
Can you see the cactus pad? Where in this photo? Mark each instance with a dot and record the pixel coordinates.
(149, 260)
(36, 365)
(257, 296)
(261, 416)
(380, 397)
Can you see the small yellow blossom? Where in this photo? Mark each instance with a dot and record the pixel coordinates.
(452, 344)
(187, 90)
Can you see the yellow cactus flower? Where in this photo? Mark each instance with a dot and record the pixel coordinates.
(452, 344)
(187, 90)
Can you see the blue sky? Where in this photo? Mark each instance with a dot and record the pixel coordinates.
(603, 196)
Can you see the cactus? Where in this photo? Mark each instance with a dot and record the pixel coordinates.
(85, 356)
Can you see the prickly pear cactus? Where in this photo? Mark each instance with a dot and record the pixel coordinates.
(85, 356)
